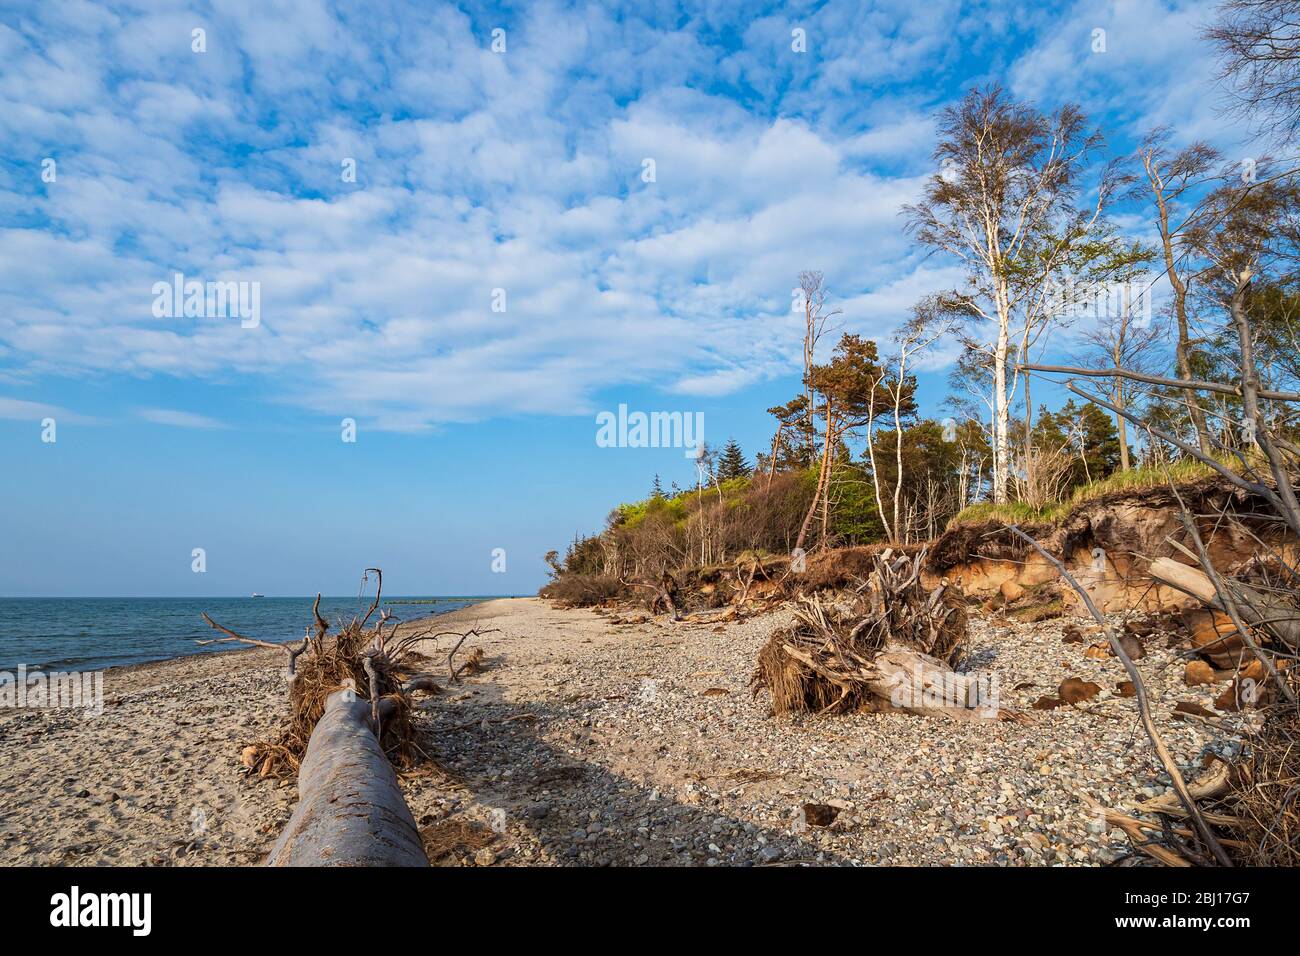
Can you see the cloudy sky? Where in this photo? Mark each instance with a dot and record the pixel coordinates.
(472, 228)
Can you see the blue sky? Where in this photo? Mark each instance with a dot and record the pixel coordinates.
(476, 170)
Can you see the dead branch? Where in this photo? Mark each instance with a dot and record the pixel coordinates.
(1133, 828)
(368, 662)
(1219, 387)
(322, 625)
(454, 672)
(1144, 708)
(289, 649)
(379, 590)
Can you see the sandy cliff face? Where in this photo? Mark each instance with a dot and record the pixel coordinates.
(1108, 543)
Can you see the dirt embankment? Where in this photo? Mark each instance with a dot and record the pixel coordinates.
(1108, 543)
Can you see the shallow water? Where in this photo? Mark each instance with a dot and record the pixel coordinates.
(92, 633)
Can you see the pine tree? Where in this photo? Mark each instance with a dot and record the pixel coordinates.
(1100, 442)
(656, 490)
(732, 464)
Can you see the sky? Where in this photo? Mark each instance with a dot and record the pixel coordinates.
(463, 233)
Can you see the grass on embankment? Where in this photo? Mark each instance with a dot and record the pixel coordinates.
(1135, 479)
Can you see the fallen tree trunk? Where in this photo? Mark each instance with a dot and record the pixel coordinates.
(890, 647)
(350, 809)
(1274, 614)
(894, 679)
(1185, 578)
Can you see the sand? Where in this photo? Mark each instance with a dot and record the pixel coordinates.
(592, 742)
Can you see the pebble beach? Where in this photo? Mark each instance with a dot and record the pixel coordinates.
(593, 738)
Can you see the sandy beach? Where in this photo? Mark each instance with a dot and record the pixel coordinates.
(588, 741)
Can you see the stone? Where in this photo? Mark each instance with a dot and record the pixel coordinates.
(1073, 690)
(1011, 591)
(1197, 673)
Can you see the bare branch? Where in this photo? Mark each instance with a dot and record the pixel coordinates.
(1219, 387)
(1144, 708)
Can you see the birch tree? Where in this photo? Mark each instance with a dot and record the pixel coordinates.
(1009, 177)
(930, 322)
(1174, 182)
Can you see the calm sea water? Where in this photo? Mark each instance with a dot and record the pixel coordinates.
(92, 633)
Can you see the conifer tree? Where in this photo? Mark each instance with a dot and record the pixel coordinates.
(732, 464)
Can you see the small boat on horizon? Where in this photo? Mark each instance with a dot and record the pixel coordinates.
(255, 594)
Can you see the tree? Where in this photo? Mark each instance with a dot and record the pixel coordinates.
(1275, 315)
(732, 464)
(1124, 341)
(657, 489)
(970, 380)
(1092, 269)
(1003, 205)
(791, 447)
(930, 320)
(1098, 442)
(930, 468)
(1258, 42)
(1171, 180)
(1252, 233)
(813, 286)
(850, 389)
(1087, 435)
(1053, 439)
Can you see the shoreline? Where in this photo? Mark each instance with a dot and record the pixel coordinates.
(163, 664)
(79, 664)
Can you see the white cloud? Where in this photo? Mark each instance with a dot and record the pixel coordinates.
(171, 416)
(479, 171)
(17, 409)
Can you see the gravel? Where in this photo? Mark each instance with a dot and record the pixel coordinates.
(606, 727)
(591, 742)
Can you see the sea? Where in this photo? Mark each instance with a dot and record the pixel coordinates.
(94, 633)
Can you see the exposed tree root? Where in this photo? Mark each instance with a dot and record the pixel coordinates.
(890, 647)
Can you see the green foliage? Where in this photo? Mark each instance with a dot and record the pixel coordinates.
(1135, 479)
(1013, 512)
(794, 439)
(732, 464)
(855, 519)
(1087, 433)
(657, 506)
(926, 455)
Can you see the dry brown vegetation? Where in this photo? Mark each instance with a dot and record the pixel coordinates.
(890, 644)
(367, 661)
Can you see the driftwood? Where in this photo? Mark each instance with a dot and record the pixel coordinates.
(890, 647)
(1140, 698)
(1254, 606)
(350, 808)
(1182, 577)
(350, 722)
